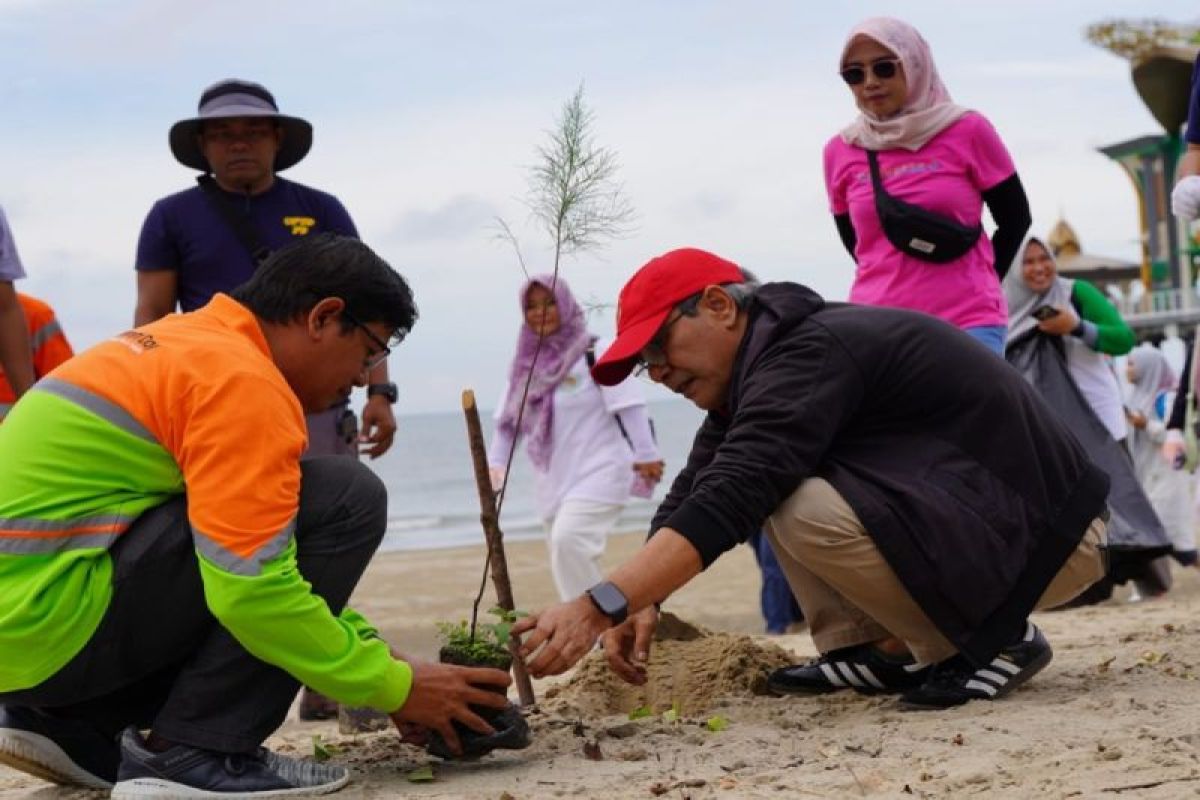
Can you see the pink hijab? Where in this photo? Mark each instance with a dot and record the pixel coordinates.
(927, 111)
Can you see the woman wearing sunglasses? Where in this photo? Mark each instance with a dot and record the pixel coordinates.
(913, 227)
(589, 445)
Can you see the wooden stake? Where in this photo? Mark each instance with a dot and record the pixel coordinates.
(495, 539)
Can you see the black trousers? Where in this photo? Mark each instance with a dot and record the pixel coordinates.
(160, 660)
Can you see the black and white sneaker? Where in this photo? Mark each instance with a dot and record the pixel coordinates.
(955, 681)
(189, 772)
(861, 668)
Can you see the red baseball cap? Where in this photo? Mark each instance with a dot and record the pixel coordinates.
(648, 298)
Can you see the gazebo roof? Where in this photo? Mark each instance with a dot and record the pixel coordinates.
(1073, 262)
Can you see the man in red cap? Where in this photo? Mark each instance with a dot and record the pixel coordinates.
(920, 496)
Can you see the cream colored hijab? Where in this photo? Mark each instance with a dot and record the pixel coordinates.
(927, 111)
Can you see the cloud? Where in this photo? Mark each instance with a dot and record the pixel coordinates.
(427, 116)
(462, 216)
(1099, 67)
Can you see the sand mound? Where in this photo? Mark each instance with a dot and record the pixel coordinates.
(688, 665)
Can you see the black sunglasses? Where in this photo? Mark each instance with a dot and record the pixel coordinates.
(884, 69)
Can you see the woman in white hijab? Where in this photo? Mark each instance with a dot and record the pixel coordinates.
(946, 160)
(1169, 489)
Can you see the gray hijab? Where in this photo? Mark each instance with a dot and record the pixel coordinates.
(1022, 300)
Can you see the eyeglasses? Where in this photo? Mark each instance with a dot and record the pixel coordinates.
(883, 69)
(377, 358)
(654, 353)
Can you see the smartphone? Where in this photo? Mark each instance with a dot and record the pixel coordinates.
(1043, 313)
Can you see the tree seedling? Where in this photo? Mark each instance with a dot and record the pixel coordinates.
(487, 647)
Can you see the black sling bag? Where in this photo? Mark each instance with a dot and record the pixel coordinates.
(240, 224)
(916, 231)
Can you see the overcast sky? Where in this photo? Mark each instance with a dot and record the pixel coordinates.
(427, 115)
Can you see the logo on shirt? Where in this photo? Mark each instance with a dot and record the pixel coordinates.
(911, 168)
(136, 341)
(299, 226)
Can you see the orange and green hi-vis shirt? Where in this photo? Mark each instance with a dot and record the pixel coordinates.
(192, 401)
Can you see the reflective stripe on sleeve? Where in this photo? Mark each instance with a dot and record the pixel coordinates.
(44, 334)
(233, 563)
(47, 536)
(105, 409)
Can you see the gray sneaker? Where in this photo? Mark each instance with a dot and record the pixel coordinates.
(186, 772)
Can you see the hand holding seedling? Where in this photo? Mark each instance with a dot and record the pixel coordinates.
(627, 646)
(562, 635)
(441, 693)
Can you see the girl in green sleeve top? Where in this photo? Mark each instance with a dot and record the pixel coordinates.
(1090, 326)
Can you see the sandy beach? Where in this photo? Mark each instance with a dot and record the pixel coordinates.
(1116, 714)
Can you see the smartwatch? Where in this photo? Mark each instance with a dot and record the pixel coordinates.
(610, 600)
(387, 390)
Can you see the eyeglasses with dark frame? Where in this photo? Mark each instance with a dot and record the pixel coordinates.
(654, 353)
(883, 69)
(375, 359)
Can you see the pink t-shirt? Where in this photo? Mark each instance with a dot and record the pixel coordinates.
(947, 176)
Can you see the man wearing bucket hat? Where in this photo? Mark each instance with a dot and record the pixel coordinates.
(921, 498)
(211, 237)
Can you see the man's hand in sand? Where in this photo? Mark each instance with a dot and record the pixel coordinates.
(562, 635)
(441, 693)
(627, 646)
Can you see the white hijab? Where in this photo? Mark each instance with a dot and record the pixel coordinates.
(1151, 377)
(927, 111)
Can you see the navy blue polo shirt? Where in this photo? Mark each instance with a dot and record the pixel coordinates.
(186, 233)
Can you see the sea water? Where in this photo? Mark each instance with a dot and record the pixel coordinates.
(433, 500)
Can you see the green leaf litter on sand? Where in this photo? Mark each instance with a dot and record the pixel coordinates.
(641, 712)
(421, 775)
(322, 750)
(717, 723)
(671, 715)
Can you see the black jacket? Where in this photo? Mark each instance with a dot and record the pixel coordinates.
(966, 482)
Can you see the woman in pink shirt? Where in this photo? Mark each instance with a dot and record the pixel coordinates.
(937, 156)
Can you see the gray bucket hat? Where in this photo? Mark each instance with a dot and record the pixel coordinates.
(237, 98)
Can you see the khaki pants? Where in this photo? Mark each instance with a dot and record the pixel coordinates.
(836, 572)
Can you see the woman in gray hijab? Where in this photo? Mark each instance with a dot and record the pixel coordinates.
(1169, 490)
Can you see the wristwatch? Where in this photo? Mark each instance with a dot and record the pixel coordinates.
(610, 600)
(387, 390)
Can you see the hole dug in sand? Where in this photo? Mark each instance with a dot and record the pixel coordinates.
(688, 665)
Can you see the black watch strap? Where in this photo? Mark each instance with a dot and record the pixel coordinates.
(389, 391)
(610, 600)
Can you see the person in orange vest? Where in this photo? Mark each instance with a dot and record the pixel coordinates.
(47, 342)
(172, 564)
(14, 339)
